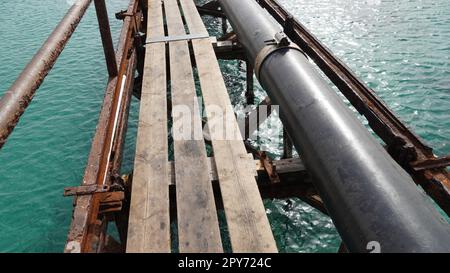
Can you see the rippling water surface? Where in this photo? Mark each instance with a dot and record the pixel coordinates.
(400, 48)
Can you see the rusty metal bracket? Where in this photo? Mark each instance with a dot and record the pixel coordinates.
(110, 200)
(228, 47)
(86, 190)
(267, 163)
(174, 38)
(211, 9)
(117, 185)
(433, 163)
(104, 163)
(279, 42)
(121, 15)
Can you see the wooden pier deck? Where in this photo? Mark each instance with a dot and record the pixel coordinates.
(178, 47)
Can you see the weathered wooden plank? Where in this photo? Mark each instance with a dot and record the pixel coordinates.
(149, 224)
(248, 225)
(192, 17)
(247, 221)
(283, 166)
(198, 227)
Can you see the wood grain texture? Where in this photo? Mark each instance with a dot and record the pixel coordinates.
(249, 228)
(247, 221)
(149, 220)
(198, 226)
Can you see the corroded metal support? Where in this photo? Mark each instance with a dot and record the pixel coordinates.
(250, 93)
(229, 50)
(88, 225)
(287, 145)
(224, 25)
(432, 163)
(211, 8)
(342, 248)
(15, 101)
(269, 167)
(105, 32)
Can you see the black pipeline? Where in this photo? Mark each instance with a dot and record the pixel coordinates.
(371, 199)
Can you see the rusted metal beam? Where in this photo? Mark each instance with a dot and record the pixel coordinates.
(433, 163)
(229, 50)
(211, 12)
(211, 8)
(123, 121)
(76, 238)
(342, 248)
(110, 159)
(402, 144)
(85, 228)
(250, 92)
(269, 167)
(121, 217)
(105, 32)
(287, 145)
(86, 190)
(17, 98)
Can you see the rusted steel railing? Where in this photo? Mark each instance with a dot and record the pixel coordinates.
(15, 101)
(87, 231)
(105, 158)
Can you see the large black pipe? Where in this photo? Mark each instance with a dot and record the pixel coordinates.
(371, 199)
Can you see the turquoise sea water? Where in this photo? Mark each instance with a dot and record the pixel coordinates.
(400, 48)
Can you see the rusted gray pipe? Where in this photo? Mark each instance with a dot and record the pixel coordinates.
(19, 95)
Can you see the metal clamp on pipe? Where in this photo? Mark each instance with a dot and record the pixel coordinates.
(279, 42)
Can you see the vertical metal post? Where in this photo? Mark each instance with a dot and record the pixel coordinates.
(287, 145)
(105, 32)
(342, 248)
(83, 228)
(224, 26)
(250, 94)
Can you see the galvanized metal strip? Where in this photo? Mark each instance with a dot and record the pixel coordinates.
(174, 38)
(87, 207)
